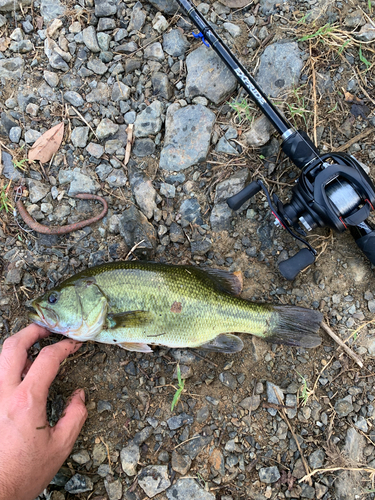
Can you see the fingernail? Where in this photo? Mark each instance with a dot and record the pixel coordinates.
(81, 394)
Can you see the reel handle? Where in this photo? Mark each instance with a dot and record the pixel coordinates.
(245, 194)
(289, 268)
(364, 236)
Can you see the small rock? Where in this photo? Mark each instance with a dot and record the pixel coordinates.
(143, 435)
(159, 23)
(231, 186)
(203, 414)
(31, 136)
(232, 29)
(51, 10)
(149, 121)
(99, 454)
(251, 403)
(196, 445)
(106, 128)
(187, 488)
(361, 424)
(204, 61)
(291, 400)
(104, 406)
(154, 479)
(73, 98)
(90, 40)
(180, 420)
(80, 136)
(272, 398)
(154, 52)
(15, 134)
(81, 183)
(97, 66)
(320, 490)
(259, 133)
(167, 190)
(175, 43)
(137, 19)
(280, 68)
(180, 463)
(269, 475)
(129, 457)
(95, 150)
(120, 92)
(228, 380)
(114, 489)
(316, 459)
(12, 67)
(81, 457)
(79, 484)
(343, 407)
(37, 190)
(51, 78)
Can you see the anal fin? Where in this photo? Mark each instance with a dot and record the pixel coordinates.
(135, 347)
(128, 319)
(226, 342)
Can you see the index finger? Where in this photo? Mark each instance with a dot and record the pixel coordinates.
(46, 366)
(14, 353)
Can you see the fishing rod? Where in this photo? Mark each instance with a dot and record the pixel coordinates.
(333, 189)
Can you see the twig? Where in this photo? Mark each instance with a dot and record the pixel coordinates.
(129, 143)
(341, 343)
(333, 469)
(355, 139)
(85, 121)
(205, 359)
(183, 442)
(312, 60)
(276, 406)
(285, 418)
(108, 456)
(132, 249)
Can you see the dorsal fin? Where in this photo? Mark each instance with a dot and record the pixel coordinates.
(223, 280)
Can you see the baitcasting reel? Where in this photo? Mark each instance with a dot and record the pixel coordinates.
(333, 190)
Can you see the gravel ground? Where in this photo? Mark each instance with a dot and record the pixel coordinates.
(103, 66)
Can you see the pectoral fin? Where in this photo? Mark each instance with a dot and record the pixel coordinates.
(128, 319)
(133, 346)
(225, 342)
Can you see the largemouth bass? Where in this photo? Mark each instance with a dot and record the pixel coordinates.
(136, 304)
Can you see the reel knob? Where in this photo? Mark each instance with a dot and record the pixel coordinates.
(289, 268)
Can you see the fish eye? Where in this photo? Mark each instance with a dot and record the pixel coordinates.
(52, 298)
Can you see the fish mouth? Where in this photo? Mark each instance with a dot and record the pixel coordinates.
(39, 318)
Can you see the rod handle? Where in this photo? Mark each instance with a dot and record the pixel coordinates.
(245, 194)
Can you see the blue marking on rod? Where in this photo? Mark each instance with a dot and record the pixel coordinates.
(200, 35)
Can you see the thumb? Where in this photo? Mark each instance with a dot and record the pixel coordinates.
(70, 424)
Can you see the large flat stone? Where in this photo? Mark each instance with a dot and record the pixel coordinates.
(187, 137)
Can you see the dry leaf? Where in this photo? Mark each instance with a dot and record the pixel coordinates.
(4, 44)
(48, 144)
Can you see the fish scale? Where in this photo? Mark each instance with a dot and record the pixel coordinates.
(177, 306)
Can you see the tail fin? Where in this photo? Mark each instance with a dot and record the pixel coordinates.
(295, 326)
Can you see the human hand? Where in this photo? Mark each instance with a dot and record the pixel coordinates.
(31, 452)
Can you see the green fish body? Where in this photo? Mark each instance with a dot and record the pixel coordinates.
(135, 305)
